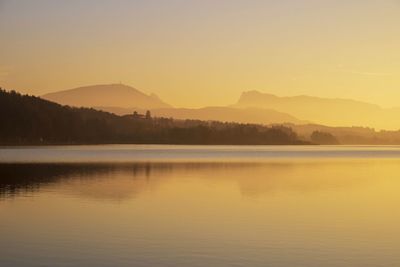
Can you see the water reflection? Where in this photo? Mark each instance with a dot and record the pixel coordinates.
(124, 181)
(307, 213)
(16, 179)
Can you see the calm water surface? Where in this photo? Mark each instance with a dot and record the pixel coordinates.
(200, 206)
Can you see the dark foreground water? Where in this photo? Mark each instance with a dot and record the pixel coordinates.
(200, 206)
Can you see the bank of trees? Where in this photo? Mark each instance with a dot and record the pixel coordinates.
(27, 119)
(323, 138)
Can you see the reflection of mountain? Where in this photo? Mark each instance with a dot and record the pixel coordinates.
(126, 181)
(300, 178)
(106, 95)
(335, 112)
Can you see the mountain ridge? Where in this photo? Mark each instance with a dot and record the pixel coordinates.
(94, 96)
(216, 113)
(327, 111)
(256, 93)
(252, 107)
(106, 94)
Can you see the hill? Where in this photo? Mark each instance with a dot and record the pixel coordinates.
(224, 114)
(123, 100)
(349, 135)
(118, 95)
(30, 120)
(332, 112)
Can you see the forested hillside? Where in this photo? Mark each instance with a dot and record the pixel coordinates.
(27, 119)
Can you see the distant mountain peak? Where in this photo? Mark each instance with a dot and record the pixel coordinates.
(118, 95)
(254, 94)
(153, 95)
(328, 111)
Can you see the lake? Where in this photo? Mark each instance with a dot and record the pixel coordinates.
(141, 205)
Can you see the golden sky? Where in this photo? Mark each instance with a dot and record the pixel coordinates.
(197, 53)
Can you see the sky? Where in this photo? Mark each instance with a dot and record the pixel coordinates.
(205, 52)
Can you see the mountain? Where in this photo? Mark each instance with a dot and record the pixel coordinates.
(29, 120)
(225, 114)
(332, 112)
(32, 120)
(252, 107)
(122, 100)
(118, 95)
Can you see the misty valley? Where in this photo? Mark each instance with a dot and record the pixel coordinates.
(199, 133)
(29, 120)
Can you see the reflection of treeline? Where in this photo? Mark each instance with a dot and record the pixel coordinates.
(25, 178)
(31, 120)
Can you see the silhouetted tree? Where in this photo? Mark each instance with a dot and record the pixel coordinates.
(136, 115)
(323, 138)
(148, 115)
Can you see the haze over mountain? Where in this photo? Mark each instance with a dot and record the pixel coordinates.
(121, 100)
(226, 114)
(349, 135)
(252, 107)
(332, 112)
(117, 95)
(31, 120)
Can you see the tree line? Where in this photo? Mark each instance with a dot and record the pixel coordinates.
(26, 119)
